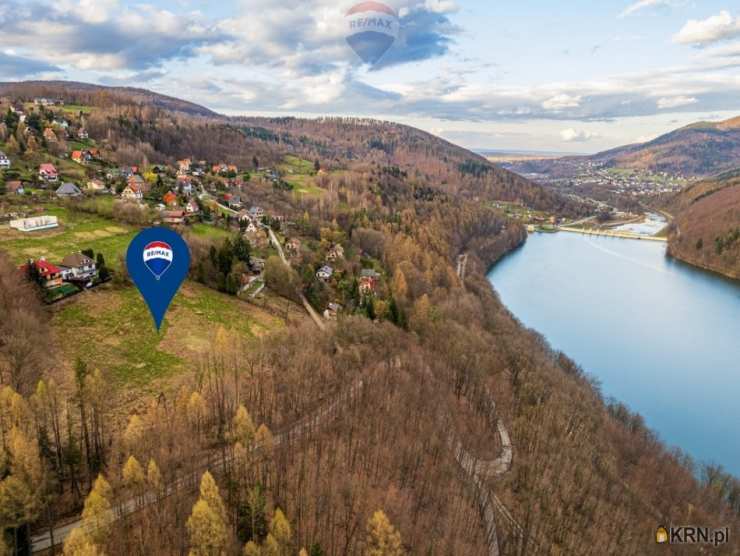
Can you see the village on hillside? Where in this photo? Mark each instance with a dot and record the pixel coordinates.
(52, 170)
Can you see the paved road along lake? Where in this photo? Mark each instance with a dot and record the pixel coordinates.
(661, 336)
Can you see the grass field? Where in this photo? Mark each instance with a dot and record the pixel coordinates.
(111, 329)
(77, 108)
(300, 174)
(206, 230)
(77, 231)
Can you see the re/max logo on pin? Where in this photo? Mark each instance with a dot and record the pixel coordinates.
(690, 534)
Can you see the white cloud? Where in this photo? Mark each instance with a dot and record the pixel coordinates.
(645, 4)
(562, 101)
(675, 102)
(572, 135)
(706, 31)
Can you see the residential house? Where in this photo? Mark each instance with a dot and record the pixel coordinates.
(34, 223)
(185, 185)
(126, 171)
(332, 310)
(250, 228)
(68, 190)
(96, 186)
(43, 101)
(78, 267)
(82, 134)
(139, 182)
(257, 213)
(325, 273)
(235, 202)
(174, 217)
(49, 274)
(184, 165)
(293, 246)
(79, 157)
(49, 135)
(219, 168)
(335, 253)
(48, 172)
(243, 215)
(132, 193)
(368, 281)
(15, 187)
(62, 124)
(191, 207)
(169, 199)
(4, 161)
(256, 264)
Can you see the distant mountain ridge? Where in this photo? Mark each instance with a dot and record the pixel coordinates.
(77, 92)
(701, 149)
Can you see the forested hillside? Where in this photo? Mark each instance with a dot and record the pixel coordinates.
(425, 419)
(706, 230)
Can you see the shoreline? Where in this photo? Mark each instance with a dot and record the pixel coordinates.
(656, 431)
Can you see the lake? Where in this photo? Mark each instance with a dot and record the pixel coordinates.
(661, 336)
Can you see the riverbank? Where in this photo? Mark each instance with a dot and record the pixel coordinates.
(707, 267)
(617, 308)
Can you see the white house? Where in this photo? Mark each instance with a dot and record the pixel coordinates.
(325, 273)
(4, 161)
(79, 267)
(35, 223)
(132, 193)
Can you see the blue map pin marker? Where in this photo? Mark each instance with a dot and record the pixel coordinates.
(158, 261)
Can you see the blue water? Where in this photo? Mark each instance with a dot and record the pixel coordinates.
(662, 337)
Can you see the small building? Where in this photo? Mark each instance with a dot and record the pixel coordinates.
(96, 186)
(49, 135)
(256, 264)
(169, 199)
(235, 202)
(132, 193)
(335, 253)
(191, 207)
(4, 161)
(79, 157)
(250, 227)
(325, 273)
(82, 134)
(48, 172)
(369, 279)
(174, 217)
(79, 267)
(184, 165)
(15, 187)
(332, 310)
(68, 190)
(185, 185)
(49, 274)
(35, 223)
(257, 213)
(293, 246)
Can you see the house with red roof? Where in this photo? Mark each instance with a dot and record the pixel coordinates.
(49, 274)
(169, 199)
(48, 172)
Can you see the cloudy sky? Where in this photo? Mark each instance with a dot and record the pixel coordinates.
(576, 76)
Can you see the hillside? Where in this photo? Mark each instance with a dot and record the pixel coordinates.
(75, 93)
(701, 149)
(698, 150)
(706, 230)
(262, 433)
